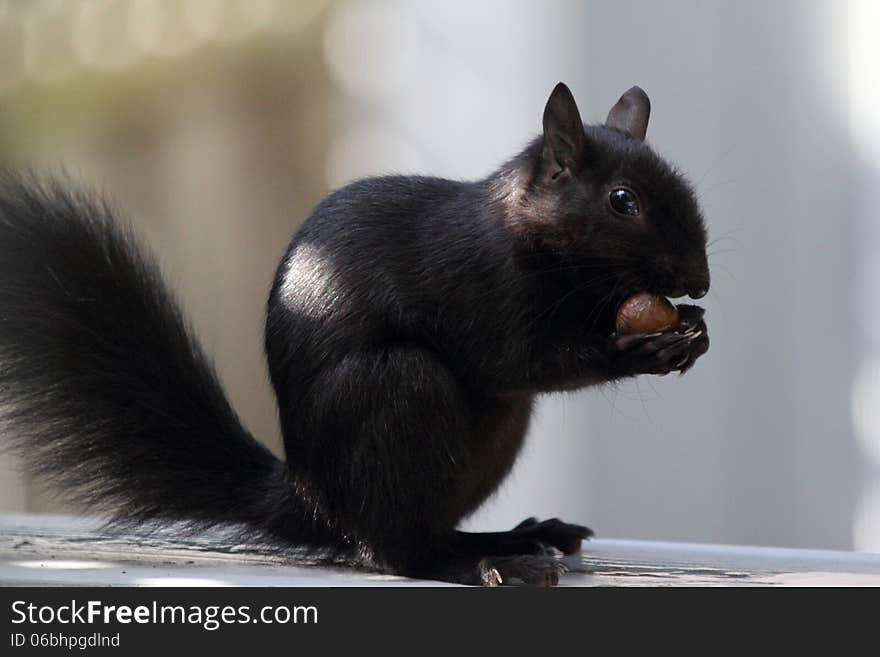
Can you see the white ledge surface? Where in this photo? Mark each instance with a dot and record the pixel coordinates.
(45, 550)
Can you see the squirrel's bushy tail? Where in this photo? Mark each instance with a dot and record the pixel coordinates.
(103, 391)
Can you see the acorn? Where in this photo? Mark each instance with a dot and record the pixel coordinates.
(646, 313)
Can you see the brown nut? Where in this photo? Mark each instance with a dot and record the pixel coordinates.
(646, 313)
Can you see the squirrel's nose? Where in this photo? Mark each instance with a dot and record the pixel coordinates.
(698, 286)
(699, 290)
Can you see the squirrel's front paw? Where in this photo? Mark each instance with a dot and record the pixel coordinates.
(662, 353)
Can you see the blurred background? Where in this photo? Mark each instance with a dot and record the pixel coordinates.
(218, 124)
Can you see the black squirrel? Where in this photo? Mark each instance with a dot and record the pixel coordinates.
(411, 323)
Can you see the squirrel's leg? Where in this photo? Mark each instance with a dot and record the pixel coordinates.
(531, 536)
(571, 362)
(393, 448)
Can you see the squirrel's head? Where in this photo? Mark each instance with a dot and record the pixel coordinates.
(602, 204)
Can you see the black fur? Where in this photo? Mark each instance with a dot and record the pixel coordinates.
(410, 326)
(103, 391)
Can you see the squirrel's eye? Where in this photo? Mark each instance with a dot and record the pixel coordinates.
(624, 202)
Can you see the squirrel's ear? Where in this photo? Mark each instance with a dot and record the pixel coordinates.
(563, 130)
(631, 113)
